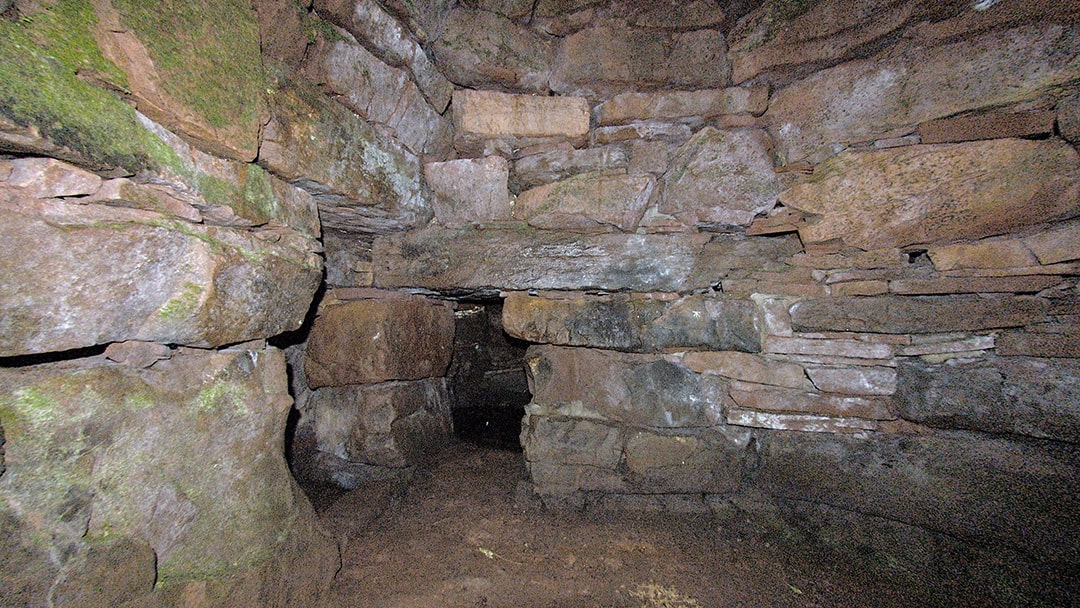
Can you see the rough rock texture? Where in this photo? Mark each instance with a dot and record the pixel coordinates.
(468, 191)
(324, 148)
(990, 490)
(638, 324)
(946, 192)
(480, 49)
(221, 105)
(104, 274)
(524, 259)
(865, 100)
(1015, 395)
(720, 177)
(892, 314)
(516, 121)
(388, 39)
(601, 61)
(697, 105)
(553, 165)
(388, 424)
(589, 202)
(119, 481)
(381, 94)
(374, 340)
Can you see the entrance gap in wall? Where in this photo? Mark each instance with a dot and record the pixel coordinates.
(486, 380)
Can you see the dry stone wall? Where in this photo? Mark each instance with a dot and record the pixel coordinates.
(837, 267)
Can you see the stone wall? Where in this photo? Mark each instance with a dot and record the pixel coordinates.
(836, 268)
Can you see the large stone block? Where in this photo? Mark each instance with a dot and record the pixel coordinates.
(978, 488)
(746, 367)
(389, 424)
(864, 100)
(720, 177)
(323, 147)
(916, 315)
(605, 60)
(374, 340)
(79, 275)
(107, 462)
(381, 94)
(517, 120)
(646, 391)
(469, 190)
(520, 260)
(634, 324)
(1014, 395)
(590, 202)
(484, 50)
(939, 193)
(710, 462)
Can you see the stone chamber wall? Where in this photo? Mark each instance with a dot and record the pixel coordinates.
(815, 260)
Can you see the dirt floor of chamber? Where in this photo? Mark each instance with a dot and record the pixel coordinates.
(460, 535)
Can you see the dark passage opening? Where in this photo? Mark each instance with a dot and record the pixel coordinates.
(486, 380)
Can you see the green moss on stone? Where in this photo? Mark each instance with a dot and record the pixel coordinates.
(182, 306)
(207, 52)
(47, 66)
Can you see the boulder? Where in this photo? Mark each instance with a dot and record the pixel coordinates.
(388, 424)
(379, 339)
(80, 275)
(516, 121)
(916, 315)
(1004, 395)
(640, 390)
(720, 177)
(589, 202)
(868, 99)
(483, 50)
(469, 190)
(114, 469)
(633, 324)
(937, 194)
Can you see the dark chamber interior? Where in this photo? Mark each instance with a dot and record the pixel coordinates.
(487, 382)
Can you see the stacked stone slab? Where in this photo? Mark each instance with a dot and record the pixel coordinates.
(830, 279)
(377, 362)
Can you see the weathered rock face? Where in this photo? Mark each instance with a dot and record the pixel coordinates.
(375, 340)
(469, 190)
(484, 119)
(720, 177)
(388, 424)
(600, 61)
(99, 475)
(928, 194)
(866, 100)
(361, 180)
(481, 49)
(590, 202)
(180, 283)
(637, 324)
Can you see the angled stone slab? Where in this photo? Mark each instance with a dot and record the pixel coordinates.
(484, 50)
(937, 194)
(590, 202)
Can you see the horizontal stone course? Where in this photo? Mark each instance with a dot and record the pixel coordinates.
(517, 121)
(900, 315)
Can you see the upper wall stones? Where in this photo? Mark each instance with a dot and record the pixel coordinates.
(602, 61)
(485, 50)
(891, 95)
(515, 121)
(938, 193)
(703, 104)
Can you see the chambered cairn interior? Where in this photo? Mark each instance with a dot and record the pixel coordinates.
(808, 261)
